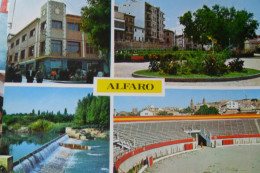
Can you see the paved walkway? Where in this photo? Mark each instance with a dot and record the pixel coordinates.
(126, 70)
(212, 160)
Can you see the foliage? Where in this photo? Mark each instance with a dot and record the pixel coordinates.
(96, 23)
(154, 66)
(187, 110)
(41, 125)
(175, 48)
(236, 65)
(205, 110)
(219, 25)
(93, 110)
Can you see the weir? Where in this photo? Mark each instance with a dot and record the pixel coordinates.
(29, 162)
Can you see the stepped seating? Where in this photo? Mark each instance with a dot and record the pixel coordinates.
(133, 135)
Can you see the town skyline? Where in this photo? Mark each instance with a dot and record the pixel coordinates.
(175, 9)
(181, 98)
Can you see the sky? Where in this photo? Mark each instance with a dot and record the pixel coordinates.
(25, 99)
(176, 8)
(181, 98)
(28, 10)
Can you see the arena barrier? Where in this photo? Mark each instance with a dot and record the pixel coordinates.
(218, 141)
(145, 155)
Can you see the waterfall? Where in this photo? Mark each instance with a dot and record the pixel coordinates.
(28, 163)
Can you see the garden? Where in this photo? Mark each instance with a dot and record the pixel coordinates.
(187, 64)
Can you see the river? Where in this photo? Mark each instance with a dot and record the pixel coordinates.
(95, 160)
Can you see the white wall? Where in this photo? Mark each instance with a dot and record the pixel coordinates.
(139, 34)
(136, 9)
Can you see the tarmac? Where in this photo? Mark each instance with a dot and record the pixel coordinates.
(127, 68)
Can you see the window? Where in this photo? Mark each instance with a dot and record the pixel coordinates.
(22, 54)
(43, 26)
(56, 24)
(73, 26)
(32, 32)
(17, 42)
(31, 51)
(73, 47)
(91, 49)
(55, 46)
(11, 58)
(12, 45)
(24, 37)
(16, 57)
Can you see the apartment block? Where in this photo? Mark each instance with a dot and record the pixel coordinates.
(148, 17)
(53, 42)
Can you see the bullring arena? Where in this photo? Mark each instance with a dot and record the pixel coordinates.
(173, 143)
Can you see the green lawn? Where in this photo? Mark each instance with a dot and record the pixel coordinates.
(231, 74)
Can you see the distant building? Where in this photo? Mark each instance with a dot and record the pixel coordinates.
(252, 44)
(232, 105)
(53, 42)
(135, 111)
(147, 16)
(168, 38)
(146, 113)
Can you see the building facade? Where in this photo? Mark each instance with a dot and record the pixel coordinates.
(53, 42)
(149, 17)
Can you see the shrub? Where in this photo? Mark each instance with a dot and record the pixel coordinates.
(59, 127)
(236, 65)
(175, 48)
(154, 66)
(41, 125)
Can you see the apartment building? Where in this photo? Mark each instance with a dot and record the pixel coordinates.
(53, 42)
(168, 38)
(148, 17)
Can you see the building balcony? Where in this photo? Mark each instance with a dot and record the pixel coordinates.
(42, 53)
(73, 55)
(56, 54)
(148, 19)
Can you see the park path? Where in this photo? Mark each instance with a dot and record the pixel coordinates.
(126, 70)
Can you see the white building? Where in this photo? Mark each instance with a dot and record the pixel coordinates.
(139, 34)
(232, 105)
(146, 113)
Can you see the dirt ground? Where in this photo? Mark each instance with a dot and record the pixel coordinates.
(240, 159)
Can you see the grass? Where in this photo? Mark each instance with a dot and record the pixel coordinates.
(246, 72)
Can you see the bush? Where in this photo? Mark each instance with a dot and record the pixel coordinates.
(175, 48)
(59, 127)
(154, 66)
(236, 65)
(41, 125)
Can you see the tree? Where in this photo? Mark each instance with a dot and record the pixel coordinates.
(65, 111)
(162, 113)
(205, 110)
(220, 25)
(187, 110)
(96, 19)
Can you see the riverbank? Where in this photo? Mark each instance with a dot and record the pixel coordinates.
(86, 133)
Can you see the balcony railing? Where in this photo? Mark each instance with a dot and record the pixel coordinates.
(73, 55)
(56, 53)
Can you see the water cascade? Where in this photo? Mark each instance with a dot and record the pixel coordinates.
(29, 162)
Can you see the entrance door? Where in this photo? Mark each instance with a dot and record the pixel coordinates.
(74, 65)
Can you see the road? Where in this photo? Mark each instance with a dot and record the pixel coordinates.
(126, 70)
